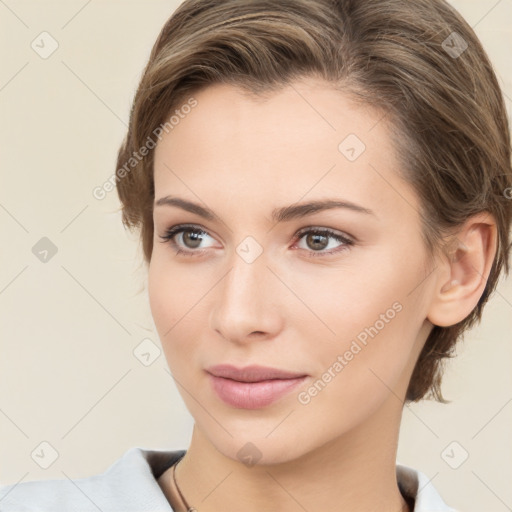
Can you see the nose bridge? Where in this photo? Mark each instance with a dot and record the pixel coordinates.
(247, 297)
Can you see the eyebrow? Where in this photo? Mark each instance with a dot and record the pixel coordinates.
(283, 214)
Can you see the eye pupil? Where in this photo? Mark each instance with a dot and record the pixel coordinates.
(315, 238)
(194, 237)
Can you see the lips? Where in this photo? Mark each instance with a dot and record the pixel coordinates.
(252, 387)
(252, 373)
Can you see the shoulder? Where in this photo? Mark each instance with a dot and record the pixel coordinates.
(418, 486)
(128, 485)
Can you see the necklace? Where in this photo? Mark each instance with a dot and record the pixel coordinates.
(189, 508)
(410, 505)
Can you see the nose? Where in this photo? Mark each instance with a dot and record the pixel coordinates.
(247, 306)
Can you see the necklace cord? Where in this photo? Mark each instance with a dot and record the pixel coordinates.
(189, 508)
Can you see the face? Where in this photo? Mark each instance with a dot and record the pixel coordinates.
(336, 296)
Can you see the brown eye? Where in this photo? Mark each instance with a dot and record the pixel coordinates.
(316, 240)
(191, 239)
(189, 242)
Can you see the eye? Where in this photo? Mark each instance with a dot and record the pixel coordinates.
(190, 238)
(186, 240)
(318, 239)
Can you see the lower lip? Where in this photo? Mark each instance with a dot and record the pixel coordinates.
(252, 395)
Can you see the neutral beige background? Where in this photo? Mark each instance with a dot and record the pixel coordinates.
(69, 326)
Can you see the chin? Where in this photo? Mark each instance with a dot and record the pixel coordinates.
(259, 450)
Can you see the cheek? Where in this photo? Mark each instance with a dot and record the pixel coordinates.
(159, 296)
(344, 302)
(371, 319)
(168, 297)
(171, 292)
(356, 374)
(177, 301)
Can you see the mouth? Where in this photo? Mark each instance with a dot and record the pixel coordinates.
(252, 387)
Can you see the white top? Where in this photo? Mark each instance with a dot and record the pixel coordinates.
(130, 485)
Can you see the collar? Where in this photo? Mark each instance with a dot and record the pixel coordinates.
(130, 484)
(412, 483)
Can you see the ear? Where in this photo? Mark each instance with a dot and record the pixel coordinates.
(463, 272)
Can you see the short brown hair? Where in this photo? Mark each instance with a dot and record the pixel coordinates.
(408, 59)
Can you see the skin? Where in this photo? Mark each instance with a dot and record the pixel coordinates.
(242, 157)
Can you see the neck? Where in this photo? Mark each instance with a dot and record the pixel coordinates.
(354, 472)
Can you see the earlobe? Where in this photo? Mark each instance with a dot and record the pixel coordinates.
(463, 271)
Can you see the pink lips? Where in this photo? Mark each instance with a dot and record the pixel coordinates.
(252, 387)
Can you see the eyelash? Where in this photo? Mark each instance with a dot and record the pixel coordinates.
(169, 235)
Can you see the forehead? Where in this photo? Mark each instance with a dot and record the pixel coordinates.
(309, 109)
(305, 139)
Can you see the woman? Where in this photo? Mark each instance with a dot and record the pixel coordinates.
(321, 190)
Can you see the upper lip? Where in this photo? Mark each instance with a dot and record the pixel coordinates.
(253, 373)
